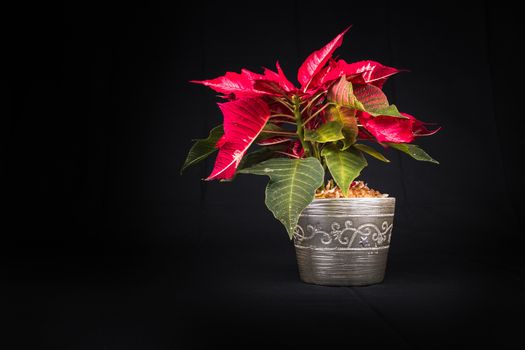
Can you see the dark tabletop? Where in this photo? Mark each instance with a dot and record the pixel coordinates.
(213, 289)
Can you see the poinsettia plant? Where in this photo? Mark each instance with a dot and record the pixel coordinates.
(296, 134)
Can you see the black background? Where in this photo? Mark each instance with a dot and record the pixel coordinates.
(105, 246)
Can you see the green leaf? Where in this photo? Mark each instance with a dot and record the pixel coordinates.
(391, 111)
(342, 93)
(368, 98)
(413, 151)
(328, 132)
(255, 157)
(291, 187)
(344, 109)
(267, 131)
(347, 117)
(371, 151)
(202, 148)
(258, 156)
(374, 101)
(344, 166)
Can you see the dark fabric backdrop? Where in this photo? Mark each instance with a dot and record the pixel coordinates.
(105, 245)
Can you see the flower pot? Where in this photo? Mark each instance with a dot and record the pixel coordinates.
(344, 241)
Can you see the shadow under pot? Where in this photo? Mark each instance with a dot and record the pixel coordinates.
(344, 241)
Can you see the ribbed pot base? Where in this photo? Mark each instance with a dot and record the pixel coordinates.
(341, 268)
(344, 242)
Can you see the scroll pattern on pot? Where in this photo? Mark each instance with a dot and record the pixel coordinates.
(367, 235)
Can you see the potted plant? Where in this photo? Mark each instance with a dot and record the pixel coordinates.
(300, 136)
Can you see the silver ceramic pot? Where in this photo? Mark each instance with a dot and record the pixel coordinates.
(344, 241)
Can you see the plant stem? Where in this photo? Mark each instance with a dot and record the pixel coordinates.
(287, 122)
(284, 103)
(311, 102)
(316, 113)
(280, 133)
(282, 115)
(300, 129)
(315, 147)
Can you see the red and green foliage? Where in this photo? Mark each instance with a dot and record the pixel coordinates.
(293, 134)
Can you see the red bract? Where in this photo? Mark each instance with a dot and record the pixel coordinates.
(337, 103)
(317, 60)
(283, 80)
(243, 121)
(240, 85)
(363, 72)
(420, 129)
(244, 84)
(396, 130)
(388, 129)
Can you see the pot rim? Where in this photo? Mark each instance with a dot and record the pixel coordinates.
(356, 199)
